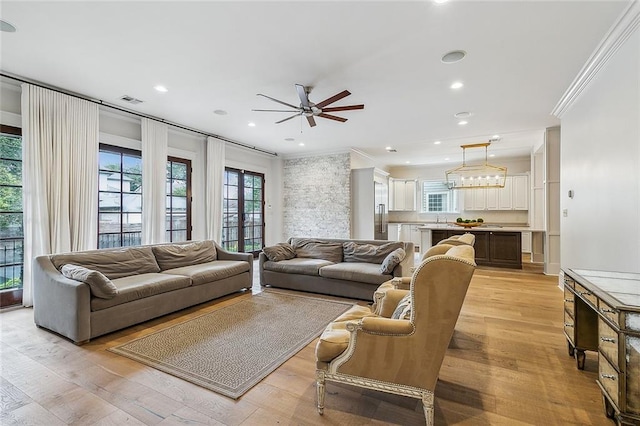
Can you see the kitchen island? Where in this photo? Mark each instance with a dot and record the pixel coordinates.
(499, 246)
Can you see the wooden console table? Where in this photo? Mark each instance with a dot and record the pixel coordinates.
(602, 313)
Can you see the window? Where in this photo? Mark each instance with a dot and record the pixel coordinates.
(243, 215)
(437, 197)
(11, 230)
(120, 197)
(178, 199)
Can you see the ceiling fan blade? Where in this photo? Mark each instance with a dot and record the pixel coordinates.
(311, 120)
(333, 99)
(273, 110)
(288, 118)
(343, 108)
(304, 99)
(332, 117)
(275, 100)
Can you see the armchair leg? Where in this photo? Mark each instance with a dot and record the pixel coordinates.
(320, 390)
(427, 405)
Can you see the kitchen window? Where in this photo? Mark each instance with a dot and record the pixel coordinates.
(438, 198)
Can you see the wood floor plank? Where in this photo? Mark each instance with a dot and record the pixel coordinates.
(507, 364)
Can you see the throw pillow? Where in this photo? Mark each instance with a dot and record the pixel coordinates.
(100, 285)
(317, 249)
(281, 251)
(392, 260)
(368, 253)
(403, 310)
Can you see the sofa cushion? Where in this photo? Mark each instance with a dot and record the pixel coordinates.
(99, 285)
(350, 271)
(113, 263)
(281, 251)
(392, 260)
(297, 265)
(204, 273)
(136, 287)
(317, 249)
(335, 338)
(369, 253)
(170, 256)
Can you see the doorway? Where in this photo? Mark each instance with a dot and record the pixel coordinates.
(243, 211)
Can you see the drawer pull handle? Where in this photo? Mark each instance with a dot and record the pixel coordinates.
(608, 376)
(568, 300)
(568, 324)
(584, 293)
(608, 339)
(607, 311)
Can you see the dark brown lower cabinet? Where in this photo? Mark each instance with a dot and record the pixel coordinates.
(493, 248)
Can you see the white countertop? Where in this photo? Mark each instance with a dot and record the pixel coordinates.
(489, 228)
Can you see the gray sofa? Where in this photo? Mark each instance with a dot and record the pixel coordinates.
(140, 283)
(338, 267)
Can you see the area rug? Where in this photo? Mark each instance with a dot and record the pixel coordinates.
(231, 349)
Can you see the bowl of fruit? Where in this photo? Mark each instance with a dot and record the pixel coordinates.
(469, 223)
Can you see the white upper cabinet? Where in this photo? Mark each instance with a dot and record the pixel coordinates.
(514, 196)
(402, 195)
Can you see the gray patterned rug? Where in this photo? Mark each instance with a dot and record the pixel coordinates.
(231, 349)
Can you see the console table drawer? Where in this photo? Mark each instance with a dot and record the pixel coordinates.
(587, 295)
(569, 328)
(611, 314)
(633, 374)
(568, 301)
(608, 342)
(609, 378)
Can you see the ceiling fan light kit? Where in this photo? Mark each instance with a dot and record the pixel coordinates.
(311, 110)
(478, 175)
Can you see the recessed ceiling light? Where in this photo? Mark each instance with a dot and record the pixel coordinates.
(6, 27)
(495, 137)
(301, 144)
(437, 143)
(462, 122)
(220, 112)
(463, 114)
(289, 139)
(453, 56)
(457, 85)
(251, 124)
(407, 162)
(161, 89)
(492, 155)
(446, 159)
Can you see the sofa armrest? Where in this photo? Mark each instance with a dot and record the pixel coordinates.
(227, 255)
(378, 325)
(59, 303)
(262, 258)
(403, 269)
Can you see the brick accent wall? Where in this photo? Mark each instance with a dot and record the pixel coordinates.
(317, 196)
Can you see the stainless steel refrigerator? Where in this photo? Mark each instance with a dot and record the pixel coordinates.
(381, 195)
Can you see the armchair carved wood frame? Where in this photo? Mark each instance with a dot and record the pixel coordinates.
(401, 356)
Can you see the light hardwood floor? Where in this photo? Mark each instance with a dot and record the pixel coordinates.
(506, 365)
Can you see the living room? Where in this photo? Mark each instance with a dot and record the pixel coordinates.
(596, 109)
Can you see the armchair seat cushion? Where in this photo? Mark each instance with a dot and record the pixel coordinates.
(140, 286)
(211, 271)
(297, 265)
(335, 338)
(352, 271)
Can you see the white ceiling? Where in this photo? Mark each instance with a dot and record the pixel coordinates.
(522, 56)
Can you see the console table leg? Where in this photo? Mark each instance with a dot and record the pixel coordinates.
(580, 358)
(609, 411)
(571, 349)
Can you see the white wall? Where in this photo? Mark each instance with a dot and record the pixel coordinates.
(600, 163)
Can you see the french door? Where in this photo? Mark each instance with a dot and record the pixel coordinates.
(243, 211)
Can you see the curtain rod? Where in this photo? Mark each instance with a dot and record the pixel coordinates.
(150, 117)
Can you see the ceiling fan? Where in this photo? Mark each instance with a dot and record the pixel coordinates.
(311, 110)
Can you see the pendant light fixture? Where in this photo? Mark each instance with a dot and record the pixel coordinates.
(478, 175)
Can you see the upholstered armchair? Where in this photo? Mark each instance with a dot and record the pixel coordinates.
(457, 240)
(399, 347)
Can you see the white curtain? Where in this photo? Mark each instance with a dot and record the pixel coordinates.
(154, 181)
(59, 175)
(214, 187)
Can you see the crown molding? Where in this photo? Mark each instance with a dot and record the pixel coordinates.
(618, 34)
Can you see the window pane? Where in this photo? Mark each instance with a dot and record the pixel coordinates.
(11, 251)
(108, 181)
(233, 178)
(11, 225)
(132, 203)
(131, 183)
(179, 170)
(132, 164)
(11, 172)
(10, 147)
(179, 187)
(179, 236)
(132, 222)
(10, 277)
(108, 222)
(10, 198)
(109, 161)
(108, 202)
